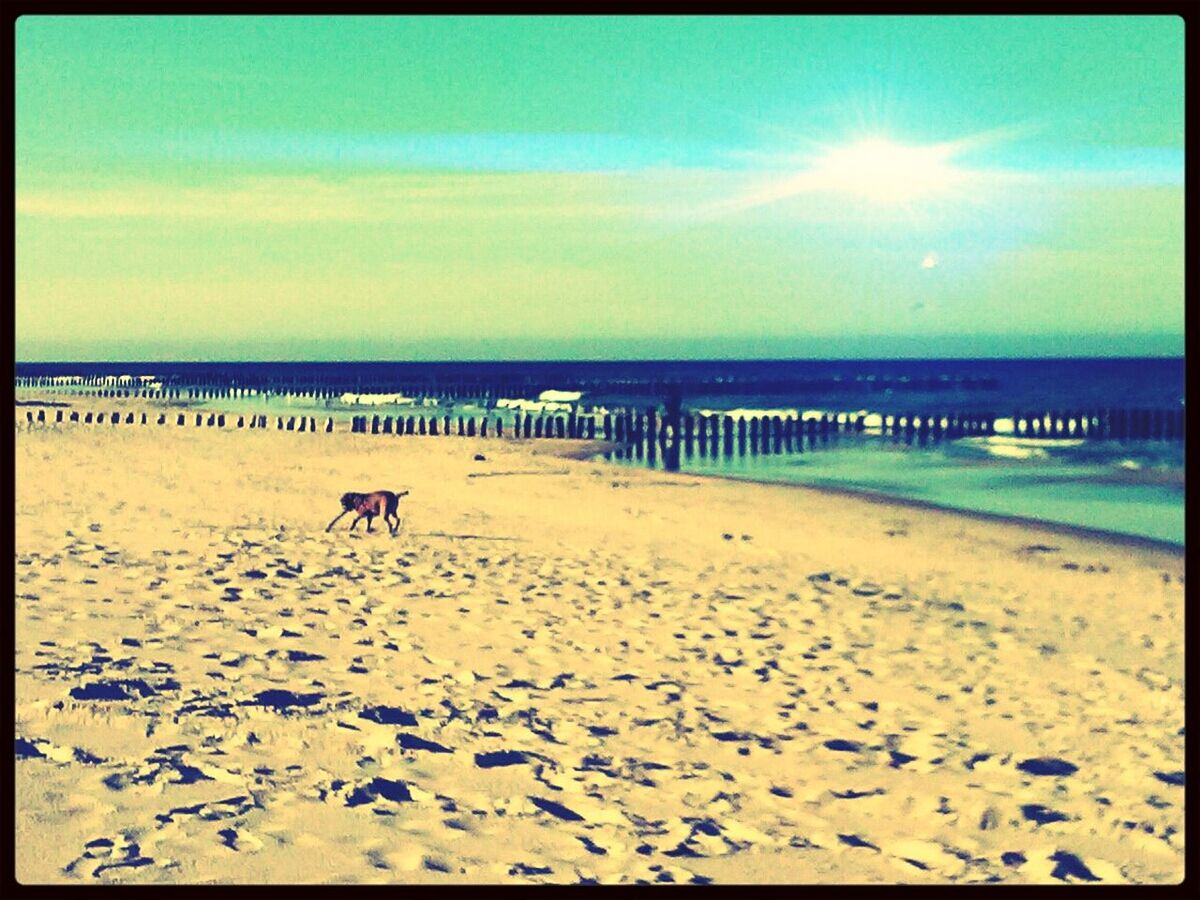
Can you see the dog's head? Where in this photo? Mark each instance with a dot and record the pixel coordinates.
(350, 500)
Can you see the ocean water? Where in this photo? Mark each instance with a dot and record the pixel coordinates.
(1132, 488)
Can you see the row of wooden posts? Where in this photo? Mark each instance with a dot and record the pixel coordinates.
(292, 423)
(650, 427)
(1134, 424)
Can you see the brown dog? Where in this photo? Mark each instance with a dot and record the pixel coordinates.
(377, 503)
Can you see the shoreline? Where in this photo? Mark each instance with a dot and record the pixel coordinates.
(1115, 538)
(592, 450)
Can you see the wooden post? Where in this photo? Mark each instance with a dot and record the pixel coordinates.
(461, 427)
(777, 429)
(470, 426)
(483, 426)
(291, 423)
(608, 427)
(303, 423)
(75, 417)
(499, 427)
(221, 420)
(58, 416)
(741, 436)
(421, 425)
(727, 428)
(591, 428)
(559, 427)
(329, 425)
(446, 426)
(619, 433)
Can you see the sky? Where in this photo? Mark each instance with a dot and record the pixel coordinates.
(311, 188)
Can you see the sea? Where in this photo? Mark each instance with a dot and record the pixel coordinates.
(1133, 488)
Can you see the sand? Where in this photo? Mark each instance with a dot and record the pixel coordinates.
(580, 674)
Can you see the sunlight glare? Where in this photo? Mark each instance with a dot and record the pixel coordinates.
(885, 172)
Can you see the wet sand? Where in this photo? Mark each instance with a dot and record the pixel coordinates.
(582, 673)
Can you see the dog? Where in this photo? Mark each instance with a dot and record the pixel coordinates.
(377, 503)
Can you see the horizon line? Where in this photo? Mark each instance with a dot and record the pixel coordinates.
(579, 361)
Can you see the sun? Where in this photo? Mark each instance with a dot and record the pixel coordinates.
(875, 172)
(885, 172)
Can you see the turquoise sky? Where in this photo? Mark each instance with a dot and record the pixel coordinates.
(393, 188)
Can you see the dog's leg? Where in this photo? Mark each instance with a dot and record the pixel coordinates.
(335, 518)
(370, 519)
(355, 522)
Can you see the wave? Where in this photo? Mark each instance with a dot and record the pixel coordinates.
(377, 399)
(520, 403)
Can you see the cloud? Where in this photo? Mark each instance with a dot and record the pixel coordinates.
(471, 152)
(314, 199)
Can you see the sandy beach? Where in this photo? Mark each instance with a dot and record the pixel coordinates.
(561, 671)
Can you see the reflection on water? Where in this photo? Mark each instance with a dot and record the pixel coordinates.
(1131, 488)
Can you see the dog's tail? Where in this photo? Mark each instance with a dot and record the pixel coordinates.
(401, 494)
